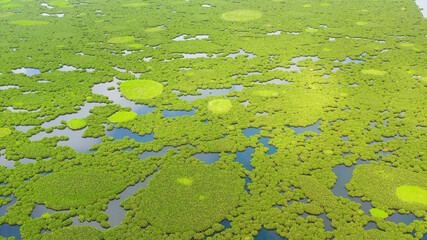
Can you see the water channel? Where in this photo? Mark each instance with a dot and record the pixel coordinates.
(117, 213)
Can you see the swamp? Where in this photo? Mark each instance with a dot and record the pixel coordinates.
(202, 119)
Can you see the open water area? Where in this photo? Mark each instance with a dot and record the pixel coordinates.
(244, 156)
(117, 213)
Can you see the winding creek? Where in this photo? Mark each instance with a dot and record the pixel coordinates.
(117, 213)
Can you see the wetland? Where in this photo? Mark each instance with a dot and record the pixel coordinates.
(194, 119)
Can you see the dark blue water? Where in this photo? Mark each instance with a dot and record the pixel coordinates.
(8, 87)
(288, 69)
(6, 162)
(300, 58)
(245, 158)
(307, 138)
(67, 68)
(385, 139)
(403, 218)
(210, 92)
(246, 75)
(207, 158)
(41, 209)
(278, 206)
(116, 212)
(76, 222)
(265, 234)
(344, 175)
(162, 152)
(313, 128)
(349, 60)
(174, 113)
(7, 231)
(370, 225)
(384, 153)
(226, 225)
(271, 149)
(45, 231)
(327, 222)
(115, 96)
(141, 109)
(247, 180)
(251, 131)
(42, 173)
(303, 200)
(120, 133)
(241, 52)
(127, 149)
(274, 81)
(80, 144)
(372, 143)
(83, 112)
(27, 71)
(3, 208)
(76, 141)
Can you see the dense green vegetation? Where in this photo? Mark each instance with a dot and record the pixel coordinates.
(141, 89)
(241, 15)
(60, 3)
(76, 123)
(189, 197)
(155, 29)
(390, 188)
(122, 116)
(412, 194)
(124, 39)
(76, 188)
(5, 132)
(29, 22)
(137, 4)
(219, 106)
(70, 233)
(373, 72)
(324, 83)
(378, 213)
